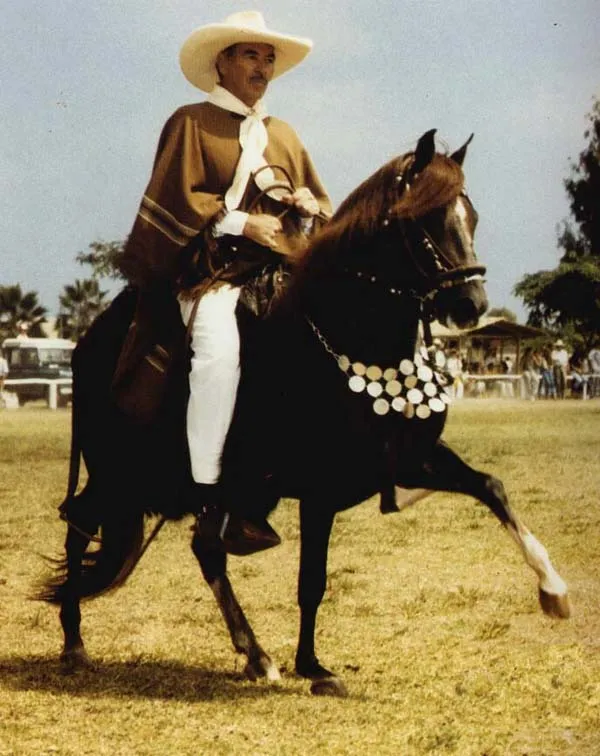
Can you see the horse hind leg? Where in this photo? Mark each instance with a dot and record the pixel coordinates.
(213, 565)
(447, 472)
(63, 588)
(74, 655)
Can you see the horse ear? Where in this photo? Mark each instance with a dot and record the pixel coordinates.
(424, 152)
(459, 155)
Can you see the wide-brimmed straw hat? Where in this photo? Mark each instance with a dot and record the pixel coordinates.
(559, 342)
(200, 50)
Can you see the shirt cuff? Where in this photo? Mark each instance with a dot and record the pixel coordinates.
(233, 223)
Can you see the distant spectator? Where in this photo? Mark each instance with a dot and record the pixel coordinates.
(3, 371)
(3, 374)
(579, 375)
(547, 388)
(560, 366)
(454, 368)
(531, 372)
(594, 364)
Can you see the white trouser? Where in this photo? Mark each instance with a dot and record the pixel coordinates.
(214, 378)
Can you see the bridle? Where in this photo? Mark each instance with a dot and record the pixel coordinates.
(446, 275)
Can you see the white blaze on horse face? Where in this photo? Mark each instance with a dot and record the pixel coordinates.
(464, 230)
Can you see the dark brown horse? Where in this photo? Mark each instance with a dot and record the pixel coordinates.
(337, 402)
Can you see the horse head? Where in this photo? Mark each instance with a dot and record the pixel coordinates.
(410, 228)
(437, 220)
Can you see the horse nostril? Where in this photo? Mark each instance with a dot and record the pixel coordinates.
(466, 312)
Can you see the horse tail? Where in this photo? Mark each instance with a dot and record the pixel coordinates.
(104, 568)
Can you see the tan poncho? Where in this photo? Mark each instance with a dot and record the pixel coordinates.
(195, 163)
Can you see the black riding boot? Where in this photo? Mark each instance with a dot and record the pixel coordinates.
(226, 530)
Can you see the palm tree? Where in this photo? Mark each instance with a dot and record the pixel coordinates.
(20, 312)
(80, 303)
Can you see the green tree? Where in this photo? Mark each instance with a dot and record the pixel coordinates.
(20, 312)
(80, 303)
(103, 257)
(567, 299)
(502, 312)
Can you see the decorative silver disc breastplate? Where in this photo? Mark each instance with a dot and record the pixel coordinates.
(412, 388)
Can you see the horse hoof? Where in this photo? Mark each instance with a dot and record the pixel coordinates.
(329, 686)
(262, 667)
(555, 605)
(74, 660)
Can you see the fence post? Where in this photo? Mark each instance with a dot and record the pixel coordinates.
(52, 395)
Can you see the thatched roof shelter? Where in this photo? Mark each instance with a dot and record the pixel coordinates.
(492, 330)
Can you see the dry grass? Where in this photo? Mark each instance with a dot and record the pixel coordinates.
(431, 616)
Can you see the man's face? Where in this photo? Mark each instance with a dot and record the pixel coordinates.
(246, 70)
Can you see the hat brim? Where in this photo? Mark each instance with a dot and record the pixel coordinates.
(200, 50)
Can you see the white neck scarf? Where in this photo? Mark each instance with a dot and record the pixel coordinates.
(253, 141)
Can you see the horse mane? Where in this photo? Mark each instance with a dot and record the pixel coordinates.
(383, 196)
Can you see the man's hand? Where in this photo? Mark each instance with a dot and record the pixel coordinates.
(263, 229)
(304, 201)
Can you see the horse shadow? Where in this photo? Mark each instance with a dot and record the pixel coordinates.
(143, 679)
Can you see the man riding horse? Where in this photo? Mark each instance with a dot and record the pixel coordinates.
(210, 219)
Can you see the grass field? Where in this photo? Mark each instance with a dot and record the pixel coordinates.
(431, 616)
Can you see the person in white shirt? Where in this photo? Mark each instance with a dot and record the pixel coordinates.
(3, 371)
(560, 367)
(594, 363)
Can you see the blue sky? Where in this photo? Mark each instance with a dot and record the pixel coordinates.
(85, 89)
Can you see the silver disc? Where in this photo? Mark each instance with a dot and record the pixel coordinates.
(415, 396)
(381, 406)
(358, 368)
(393, 388)
(343, 362)
(430, 389)
(390, 374)
(422, 411)
(374, 389)
(418, 360)
(425, 373)
(357, 383)
(406, 367)
(424, 353)
(436, 404)
(398, 404)
(445, 398)
(409, 410)
(410, 381)
(374, 372)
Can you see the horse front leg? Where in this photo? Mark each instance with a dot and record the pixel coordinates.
(214, 570)
(447, 472)
(316, 522)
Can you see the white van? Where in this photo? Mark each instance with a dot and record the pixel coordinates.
(33, 364)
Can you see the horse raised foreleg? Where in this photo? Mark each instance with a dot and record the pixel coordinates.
(316, 522)
(213, 565)
(447, 472)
